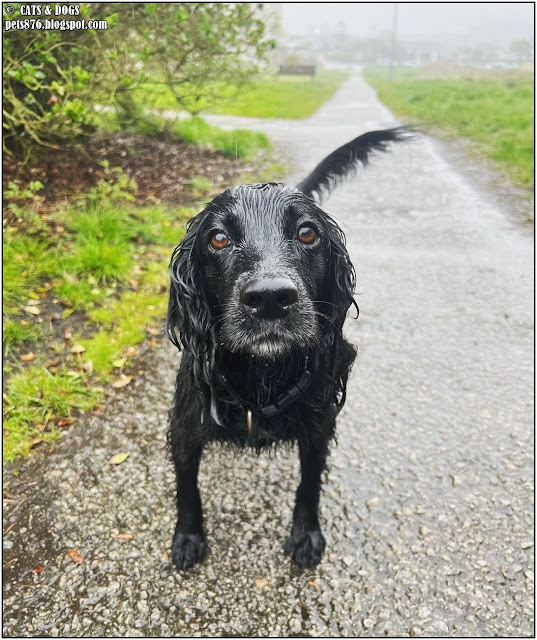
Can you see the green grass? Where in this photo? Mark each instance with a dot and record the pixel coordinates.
(35, 396)
(237, 143)
(494, 111)
(289, 97)
(26, 262)
(87, 269)
(123, 325)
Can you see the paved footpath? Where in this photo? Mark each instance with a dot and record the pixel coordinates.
(427, 508)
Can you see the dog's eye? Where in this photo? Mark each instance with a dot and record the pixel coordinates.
(307, 235)
(219, 240)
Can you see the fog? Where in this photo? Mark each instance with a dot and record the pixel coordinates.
(483, 22)
(484, 35)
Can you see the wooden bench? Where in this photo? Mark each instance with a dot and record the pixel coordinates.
(297, 70)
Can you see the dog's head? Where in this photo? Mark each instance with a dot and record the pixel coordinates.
(262, 271)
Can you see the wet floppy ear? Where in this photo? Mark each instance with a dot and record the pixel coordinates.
(189, 313)
(341, 278)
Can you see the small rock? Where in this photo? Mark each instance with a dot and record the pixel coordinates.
(295, 626)
(437, 628)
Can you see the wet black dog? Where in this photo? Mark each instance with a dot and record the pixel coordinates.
(260, 287)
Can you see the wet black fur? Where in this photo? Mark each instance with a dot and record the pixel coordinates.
(206, 321)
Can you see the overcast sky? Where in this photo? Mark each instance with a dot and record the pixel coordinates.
(487, 21)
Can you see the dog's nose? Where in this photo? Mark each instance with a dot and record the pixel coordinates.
(269, 298)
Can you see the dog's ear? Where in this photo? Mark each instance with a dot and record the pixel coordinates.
(341, 278)
(343, 161)
(188, 310)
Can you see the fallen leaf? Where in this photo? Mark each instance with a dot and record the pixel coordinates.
(28, 357)
(33, 302)
(122, 382)
(75, 556)
(119, 458)
(33, 310)
(152, 332)
(119, 363)
(131, 352)
(78, 348)
(31, 443)
(123, 536)
(39, 569)
(99, 409)
(65, 422)
(313, 584)
(33, 296)
(153, 341)
(151, 307)
(260, 583)
(24, 323)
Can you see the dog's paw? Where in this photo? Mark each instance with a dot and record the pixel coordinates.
(305, 547)
(188, 549)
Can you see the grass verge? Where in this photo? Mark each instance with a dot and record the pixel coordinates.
(237, 143)
(493, 110)
(288, 97)
(75, 310)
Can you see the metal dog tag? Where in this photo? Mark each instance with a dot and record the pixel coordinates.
(249, 421)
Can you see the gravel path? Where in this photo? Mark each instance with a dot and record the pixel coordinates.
(428, 502)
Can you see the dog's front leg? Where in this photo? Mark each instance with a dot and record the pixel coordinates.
(189, 545)
(306, 543)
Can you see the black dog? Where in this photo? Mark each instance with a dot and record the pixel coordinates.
(260, 287)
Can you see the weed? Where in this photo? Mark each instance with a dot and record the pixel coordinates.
(115, 188)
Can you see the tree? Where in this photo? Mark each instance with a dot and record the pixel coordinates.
(49, 77)
(53, 79)
(201, 52)
(522, 49)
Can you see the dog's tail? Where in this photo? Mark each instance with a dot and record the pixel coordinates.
(343, 161)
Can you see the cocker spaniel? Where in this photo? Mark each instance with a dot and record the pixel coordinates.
(260, 287)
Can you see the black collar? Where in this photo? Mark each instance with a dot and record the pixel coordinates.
(286, 399)
(281, 403)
